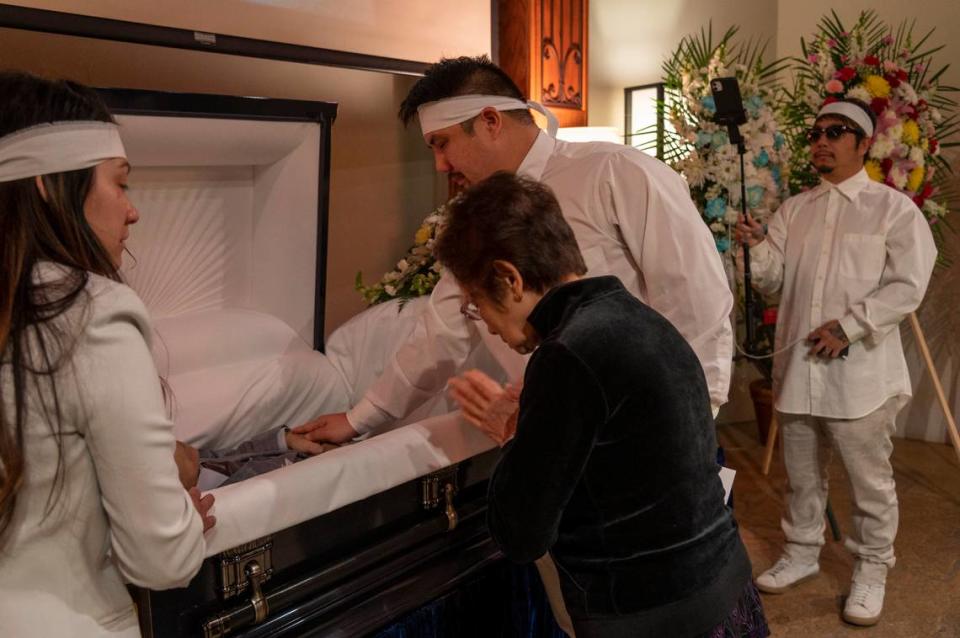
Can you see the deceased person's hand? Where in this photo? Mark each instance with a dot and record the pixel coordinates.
(327, 428)
(486, 404)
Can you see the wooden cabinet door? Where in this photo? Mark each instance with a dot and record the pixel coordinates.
(542, 45)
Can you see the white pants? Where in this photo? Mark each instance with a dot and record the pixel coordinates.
(864, 446)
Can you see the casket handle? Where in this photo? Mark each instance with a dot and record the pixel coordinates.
(223, 625)
(438, 489)
(258, 600)
(452, 518)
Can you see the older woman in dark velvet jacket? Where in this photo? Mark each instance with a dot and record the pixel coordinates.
(612, 466)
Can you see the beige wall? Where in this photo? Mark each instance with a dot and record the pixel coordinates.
(382, 178)
(421, 30)
(629, 40)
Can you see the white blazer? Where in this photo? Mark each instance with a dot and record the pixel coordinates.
(119, 513)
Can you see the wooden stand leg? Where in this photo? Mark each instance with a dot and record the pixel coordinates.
(944, 405)
(771, 441)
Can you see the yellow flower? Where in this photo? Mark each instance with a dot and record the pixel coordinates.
(423, 235)
(877, 86)
(915, 180)
(874, 171)
(911, 133)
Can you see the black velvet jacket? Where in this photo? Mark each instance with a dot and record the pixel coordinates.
(613, 470)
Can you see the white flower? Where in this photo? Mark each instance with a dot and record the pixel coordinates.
(916, 155)
(934, 209)
(402, 265)
(907, 93)
(898, 177)
(860, 93)
(882, 147)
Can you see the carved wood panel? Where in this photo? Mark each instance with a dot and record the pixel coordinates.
(561, 53)
(543, 47)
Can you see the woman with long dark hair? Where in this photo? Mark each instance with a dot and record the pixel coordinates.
(89, 494)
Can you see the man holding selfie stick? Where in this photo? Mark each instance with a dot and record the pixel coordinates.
(851, 258)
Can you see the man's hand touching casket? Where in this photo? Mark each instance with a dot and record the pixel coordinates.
(327, 428)
(486, 404)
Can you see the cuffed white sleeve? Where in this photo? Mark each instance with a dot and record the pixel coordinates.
(436, 348)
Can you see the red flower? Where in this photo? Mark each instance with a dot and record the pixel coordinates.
(879, 105)
(927, 190)
(892, 79)
(885, 165)
(934, 145)
(829, 100)
(919, 200)
(902, 75)
(845, 74)
(921, 106)
(872, 60)
(769, 316)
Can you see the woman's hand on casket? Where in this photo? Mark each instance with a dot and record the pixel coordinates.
(327, 428)
(486, 404)
(203, 505)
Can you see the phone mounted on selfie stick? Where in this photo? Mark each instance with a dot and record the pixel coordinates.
(729, 111)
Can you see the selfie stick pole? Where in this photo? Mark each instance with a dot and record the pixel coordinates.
(730, 111)
(733, 131)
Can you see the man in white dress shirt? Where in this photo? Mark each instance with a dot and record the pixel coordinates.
(851, 257)
(631, 214)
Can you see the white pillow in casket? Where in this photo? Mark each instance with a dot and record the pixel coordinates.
(236, 373)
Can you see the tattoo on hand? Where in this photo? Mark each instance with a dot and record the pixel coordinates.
(837, 331)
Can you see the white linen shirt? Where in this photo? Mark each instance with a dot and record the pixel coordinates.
(859, 252)
(633, 218)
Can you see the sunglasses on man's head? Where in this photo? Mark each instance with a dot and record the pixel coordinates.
(833, 132)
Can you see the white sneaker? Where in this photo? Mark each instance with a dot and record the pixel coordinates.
(864, 604)
(784, 574)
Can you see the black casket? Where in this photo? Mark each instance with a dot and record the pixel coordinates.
(230, 260)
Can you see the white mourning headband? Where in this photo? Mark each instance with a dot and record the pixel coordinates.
(58, 147)
(454, 110)
(851, 111)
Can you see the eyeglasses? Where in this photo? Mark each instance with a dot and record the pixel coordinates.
(470, 311)
(833, 132)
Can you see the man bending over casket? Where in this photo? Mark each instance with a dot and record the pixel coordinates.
(206, 468)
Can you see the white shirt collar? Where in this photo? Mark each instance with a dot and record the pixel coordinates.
(849, 187)
(536, 159)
